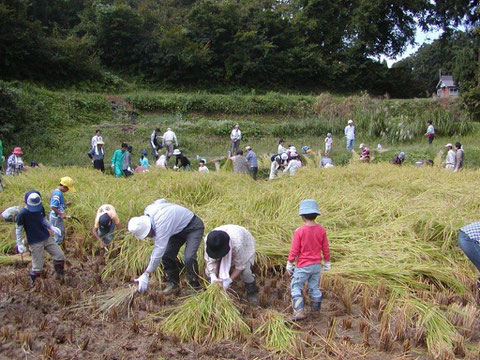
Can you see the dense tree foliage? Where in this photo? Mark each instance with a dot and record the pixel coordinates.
(305, 44)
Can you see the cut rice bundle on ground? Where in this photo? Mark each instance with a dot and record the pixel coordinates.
(119, 300)
(276, 333)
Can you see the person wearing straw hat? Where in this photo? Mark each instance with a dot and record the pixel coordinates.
(236, 136)
(350, 135)
(309, 246)
(58, 206)
(97, 154)
(31, 219)
(229, 253)
(15, 162)
(106, 221)
(450, 159)
(171, 226)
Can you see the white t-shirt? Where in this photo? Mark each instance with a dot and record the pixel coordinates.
(203, 169)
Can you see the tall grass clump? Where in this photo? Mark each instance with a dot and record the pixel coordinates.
(209, 316)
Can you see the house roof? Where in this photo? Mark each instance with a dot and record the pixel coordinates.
(446, 81)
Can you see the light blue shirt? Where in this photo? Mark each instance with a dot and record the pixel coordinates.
(57, 201)
(252, 159)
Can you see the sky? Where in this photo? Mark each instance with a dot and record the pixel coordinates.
(420, 38)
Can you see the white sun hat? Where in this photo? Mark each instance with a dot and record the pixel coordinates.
(140, 226)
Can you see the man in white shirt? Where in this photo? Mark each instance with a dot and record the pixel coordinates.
(236, 136)
(169, 138)
(450, 160)
(230, 247)
(171, 226)
(350, 135)
(95, 139)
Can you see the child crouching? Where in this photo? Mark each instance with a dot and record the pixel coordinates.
(309, 244)
(32, 219)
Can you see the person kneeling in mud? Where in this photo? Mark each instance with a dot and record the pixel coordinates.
(32, 219)
(227, 246)
(105, 222)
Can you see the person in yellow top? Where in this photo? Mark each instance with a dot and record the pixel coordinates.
(105, 223)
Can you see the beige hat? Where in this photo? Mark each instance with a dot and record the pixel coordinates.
(350, 121)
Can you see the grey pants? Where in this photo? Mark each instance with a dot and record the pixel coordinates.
(169, 146)
(49, 246)
(58, 222)
(192, 236)
(247, 275)
(235, 147)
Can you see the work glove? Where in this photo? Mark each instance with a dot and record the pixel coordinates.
(143, 282)
(56, 231)
(227, 283)
(290, 268)
(21, 249)
(129, 169)
(327, 266)
(213, 278)
(112, 166)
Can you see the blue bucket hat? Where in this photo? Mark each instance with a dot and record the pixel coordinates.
(33, 201)
(308, 206)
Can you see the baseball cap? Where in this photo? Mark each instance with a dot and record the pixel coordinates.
(104, 222)
(350, 121)
(33, 201)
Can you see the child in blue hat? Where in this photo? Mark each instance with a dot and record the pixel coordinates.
(309, 247)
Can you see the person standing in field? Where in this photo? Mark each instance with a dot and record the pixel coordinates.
(230, 247)
(155, 143)
(15, 162)
(240, 164)
(281, 149)
(97, 154)
(95, 139)
(127, 162)
(430, 134)
(236, 136)
(252, 162)
(469, 241)
(31, 219)
(450, 159)
(171, 226)
(182, 160)
(350, 135)
(328, 144)
(58, 206)
(459, 154)
(106, 221)
(117, 160)
(309, 247)
(169, 138)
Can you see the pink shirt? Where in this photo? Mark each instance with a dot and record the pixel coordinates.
(308, 245)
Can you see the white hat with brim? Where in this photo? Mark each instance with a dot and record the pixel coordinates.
(140, 226)
(100, 142)
(350, 121)
(176, 152)
(308, 206)
(449, 145)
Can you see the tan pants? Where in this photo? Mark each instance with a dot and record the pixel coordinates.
(49, 246)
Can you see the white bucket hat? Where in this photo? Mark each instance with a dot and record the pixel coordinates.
(176, 152)
(140, 226)
(350, 121)
(284, 156)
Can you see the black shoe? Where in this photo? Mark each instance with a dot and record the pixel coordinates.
(170, 287)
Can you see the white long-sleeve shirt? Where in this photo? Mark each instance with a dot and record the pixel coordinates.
(450, 160)
(281, 149)
(94, 141)
(242, 244)
(169, 135)
(350, 132)
(167, 220)
(236, 134)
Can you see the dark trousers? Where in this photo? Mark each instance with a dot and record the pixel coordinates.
(127, 173)
(99, 165)
(253, 172)
(192, 236)
(430, 139)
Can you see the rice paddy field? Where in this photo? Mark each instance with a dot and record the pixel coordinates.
(399, 288)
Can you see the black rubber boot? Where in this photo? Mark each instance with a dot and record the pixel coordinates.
(32, 276)
(170, 288)
(59, 266)
(316, 304)
(252, 292)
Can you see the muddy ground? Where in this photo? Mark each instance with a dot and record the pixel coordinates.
(38, 322)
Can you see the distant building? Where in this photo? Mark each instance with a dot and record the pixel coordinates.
(446, 87)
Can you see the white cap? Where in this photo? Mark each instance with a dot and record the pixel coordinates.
(176, 152)
(292, 149)
(284, 156)
(449, 145)
(248, 148)
(140, 226)
(361, 145)
(350, 121)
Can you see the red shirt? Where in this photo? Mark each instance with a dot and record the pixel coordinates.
(308, 245)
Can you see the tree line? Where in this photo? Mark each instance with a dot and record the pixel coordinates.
(329, 45)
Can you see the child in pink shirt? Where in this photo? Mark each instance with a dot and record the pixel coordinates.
(309, 247)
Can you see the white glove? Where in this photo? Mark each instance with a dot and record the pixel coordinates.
(129, 169)
(227, 283)
(327, 266)
(213, 278)
(21, 249)
(143, 282)
(56, 231)
(290, 268)
(112, 166)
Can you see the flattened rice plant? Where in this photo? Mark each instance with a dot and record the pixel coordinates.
(209, 316)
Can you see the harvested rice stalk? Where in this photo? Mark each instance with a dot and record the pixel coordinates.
(276, 334)
(12, 259)
(117, 300)
(209, 316)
